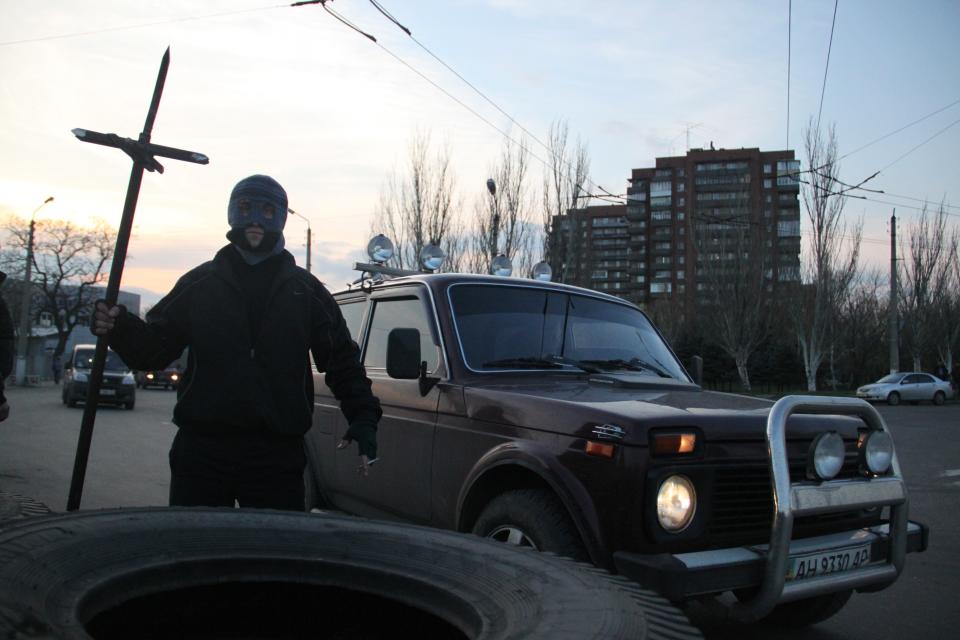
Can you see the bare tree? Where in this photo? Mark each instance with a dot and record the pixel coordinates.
(735, 266)
(862, 326)
(826, 273)
(418, 207)
(926, 275)
(563, 188)
(949, 310)
(68, 263)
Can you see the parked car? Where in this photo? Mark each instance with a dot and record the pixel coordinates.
(118, 385)
(167, 378)
(558, 418)
(911, 386)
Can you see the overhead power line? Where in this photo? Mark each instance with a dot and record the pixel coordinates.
(823, 91)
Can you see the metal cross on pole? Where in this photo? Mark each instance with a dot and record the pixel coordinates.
(142, 152)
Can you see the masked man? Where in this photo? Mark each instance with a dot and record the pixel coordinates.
(250, 319)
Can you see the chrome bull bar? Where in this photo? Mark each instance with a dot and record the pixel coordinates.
(794, 500)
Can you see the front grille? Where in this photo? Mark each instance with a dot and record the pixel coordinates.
(742, 503)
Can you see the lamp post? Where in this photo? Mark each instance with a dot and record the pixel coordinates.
(25, 299)
(289, 210)
(495, 227)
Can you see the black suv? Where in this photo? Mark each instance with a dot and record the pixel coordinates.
(118, 386)
(559, 418)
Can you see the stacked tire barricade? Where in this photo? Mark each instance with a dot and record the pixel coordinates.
(227, 573)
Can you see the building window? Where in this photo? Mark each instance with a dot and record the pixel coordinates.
(660, 287)
(788, 228)
(641, 278)
(662, 260)
(681, 274)
(662, 246)
(767, 168)
(767, 183)
(681, 187)
(662, 275)
(661, 215)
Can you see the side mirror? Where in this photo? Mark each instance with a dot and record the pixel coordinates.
(403, 354)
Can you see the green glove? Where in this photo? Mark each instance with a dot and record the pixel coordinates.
(364, 433)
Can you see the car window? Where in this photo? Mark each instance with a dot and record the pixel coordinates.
(890, 379)
(395, 313)
(503, 327)
(83, 359)
(353, 315)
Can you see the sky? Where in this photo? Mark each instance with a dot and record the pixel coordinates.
(294, 93)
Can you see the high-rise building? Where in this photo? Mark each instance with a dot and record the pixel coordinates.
(687, 221)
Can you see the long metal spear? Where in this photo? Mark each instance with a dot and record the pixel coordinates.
(142, 152)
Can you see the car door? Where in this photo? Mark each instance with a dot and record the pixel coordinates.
(911, 387)
(398, 485)
(925, 386)
(320, 441)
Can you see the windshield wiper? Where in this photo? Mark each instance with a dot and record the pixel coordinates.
(529, 363)
(550, 362)
(634, 364)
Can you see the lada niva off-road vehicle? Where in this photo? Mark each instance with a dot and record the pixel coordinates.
(558, 418)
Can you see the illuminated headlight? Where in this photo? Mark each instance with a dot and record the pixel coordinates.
(128, 379)
(876, 453)
(826, 456)
(676, 503)
(174, 377)
(149, 376)
(79, 377)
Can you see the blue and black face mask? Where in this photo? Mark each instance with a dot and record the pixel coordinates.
(257, 200)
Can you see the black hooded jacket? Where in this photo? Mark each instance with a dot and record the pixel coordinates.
(235, 381)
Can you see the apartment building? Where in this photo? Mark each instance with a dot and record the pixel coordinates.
(687, 219)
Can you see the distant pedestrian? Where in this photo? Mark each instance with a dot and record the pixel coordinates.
(956, 376)
(56, 368)
(6, 350)
(942, 372)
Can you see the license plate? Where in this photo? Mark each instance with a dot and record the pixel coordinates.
(108, 392)
(818, 564)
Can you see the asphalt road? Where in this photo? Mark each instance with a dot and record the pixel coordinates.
(128, 467)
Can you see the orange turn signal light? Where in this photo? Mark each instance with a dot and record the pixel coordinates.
(669, 444)
(600, 449)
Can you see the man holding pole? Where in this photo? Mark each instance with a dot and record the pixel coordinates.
(251, 318)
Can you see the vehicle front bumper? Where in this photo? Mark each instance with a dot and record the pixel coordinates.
(682, 576)
(872, 395)
(119, 395)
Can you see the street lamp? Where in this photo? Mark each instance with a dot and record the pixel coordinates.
(495, 227)
(289, 210)
(25, 299)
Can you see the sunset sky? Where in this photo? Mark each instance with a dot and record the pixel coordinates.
(294, 93)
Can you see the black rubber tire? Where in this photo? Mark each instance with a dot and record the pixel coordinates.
(118, 573)
(893, 399)
(939, 398)
(541, 517)
(809, 611)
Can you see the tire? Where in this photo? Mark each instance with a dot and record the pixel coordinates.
(533, 518)
(809, 611)
(893, 399)
(255, 573)
(939, 398)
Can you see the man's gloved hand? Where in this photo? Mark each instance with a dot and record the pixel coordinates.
(104, 319)
(364, 433)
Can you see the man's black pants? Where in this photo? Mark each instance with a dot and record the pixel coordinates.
(258, 470)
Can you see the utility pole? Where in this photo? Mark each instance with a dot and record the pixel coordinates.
(894, 327)
(289, 210)
(26, 297)
(495, 227)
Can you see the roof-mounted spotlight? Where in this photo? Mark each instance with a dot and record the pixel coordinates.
(380, 249)
(542, 272)
(501, 266)
(431, 257)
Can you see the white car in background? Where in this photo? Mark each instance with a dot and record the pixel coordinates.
(911, 387)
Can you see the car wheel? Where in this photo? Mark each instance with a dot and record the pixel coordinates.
(533, 518)
(803, 613)
(939, 398)
(893, 398)
(258, 573)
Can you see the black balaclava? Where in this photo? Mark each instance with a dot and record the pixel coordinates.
(251, 202)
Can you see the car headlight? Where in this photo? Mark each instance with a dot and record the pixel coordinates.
(826, 456)
(876, 452)
(79, 377)
(128, 379)
(149, 376)
(676, 503)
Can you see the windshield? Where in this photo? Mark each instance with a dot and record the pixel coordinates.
(504, 327)
(893, 377)
(84, 360)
